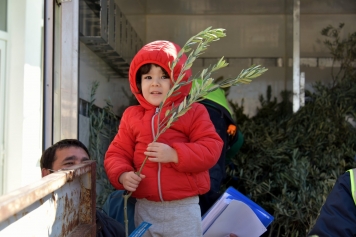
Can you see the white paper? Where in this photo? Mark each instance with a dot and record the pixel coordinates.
(216, 210)
(237, 218)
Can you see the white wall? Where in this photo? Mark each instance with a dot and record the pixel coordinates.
(23, 117)
(264, 36)
(258, 32)
(91, 69)
(134, 11)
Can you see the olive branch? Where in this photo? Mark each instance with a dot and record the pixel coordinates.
(201, 42)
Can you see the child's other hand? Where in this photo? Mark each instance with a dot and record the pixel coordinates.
(160, 152)
(130, 180)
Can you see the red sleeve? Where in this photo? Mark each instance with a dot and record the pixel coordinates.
(205, 146)
(119, 156)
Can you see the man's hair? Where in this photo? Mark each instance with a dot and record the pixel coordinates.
(48, 156)
(144, 69)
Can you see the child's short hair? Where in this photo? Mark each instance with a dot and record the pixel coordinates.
(144, 69)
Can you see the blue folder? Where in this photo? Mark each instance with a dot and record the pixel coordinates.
(262, 214)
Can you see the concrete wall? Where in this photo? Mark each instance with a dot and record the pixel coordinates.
(258, 32)
(93, 69)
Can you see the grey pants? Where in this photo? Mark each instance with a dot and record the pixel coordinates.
(179, 218)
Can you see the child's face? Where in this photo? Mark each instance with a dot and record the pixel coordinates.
(155, 85)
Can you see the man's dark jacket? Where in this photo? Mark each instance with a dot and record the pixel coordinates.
(338, 214)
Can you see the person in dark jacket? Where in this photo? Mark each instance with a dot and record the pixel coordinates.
(221, 116)
(338, 214)
(114, 207)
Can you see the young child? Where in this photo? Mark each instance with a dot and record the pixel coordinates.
(177, 170)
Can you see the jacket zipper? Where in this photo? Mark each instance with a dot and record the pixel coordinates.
(159, 164)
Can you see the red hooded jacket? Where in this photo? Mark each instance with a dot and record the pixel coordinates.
(193, 136)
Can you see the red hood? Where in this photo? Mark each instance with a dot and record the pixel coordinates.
(159, 52)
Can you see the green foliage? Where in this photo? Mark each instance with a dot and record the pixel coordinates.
(273, 110)
(238, 111)
(343, 51)
(103, 127)
(289, 162)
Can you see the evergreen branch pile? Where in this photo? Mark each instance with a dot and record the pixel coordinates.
(343, 51)
(103, 124)
(289, 162)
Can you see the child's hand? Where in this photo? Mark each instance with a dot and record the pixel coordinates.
(160, 152)
(130, 180)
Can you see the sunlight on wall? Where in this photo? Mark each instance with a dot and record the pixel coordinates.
(23, 116)
(32, 124)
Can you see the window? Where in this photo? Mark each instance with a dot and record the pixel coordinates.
(3, 15)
